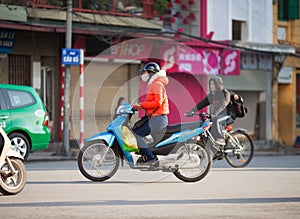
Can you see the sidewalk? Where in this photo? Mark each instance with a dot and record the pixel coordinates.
(38, 156)
(54, 156)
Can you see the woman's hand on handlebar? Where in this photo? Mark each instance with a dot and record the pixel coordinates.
(136, 107)
(202, 115)
(205, 115)
(190, 114)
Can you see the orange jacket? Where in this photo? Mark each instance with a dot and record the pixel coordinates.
(156, 96)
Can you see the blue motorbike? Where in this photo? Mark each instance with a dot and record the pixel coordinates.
(176, 147)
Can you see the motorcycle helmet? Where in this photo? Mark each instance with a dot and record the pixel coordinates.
(150, 67)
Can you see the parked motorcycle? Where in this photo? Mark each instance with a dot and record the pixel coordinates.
(12, 169)
(187, 159)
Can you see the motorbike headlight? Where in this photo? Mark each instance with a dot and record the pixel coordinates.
(125, 108)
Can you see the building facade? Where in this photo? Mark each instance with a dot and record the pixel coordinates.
(32, 38)
(204, 37)
(287, 32)
(249, 24)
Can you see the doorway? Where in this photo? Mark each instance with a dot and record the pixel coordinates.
(46, 88)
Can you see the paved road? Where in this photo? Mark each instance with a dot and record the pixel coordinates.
(268, 188)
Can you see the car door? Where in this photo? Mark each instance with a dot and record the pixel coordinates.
(5, 116)
(21, 108)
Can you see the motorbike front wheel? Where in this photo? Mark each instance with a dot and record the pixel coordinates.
(194, 174)
(97, 161)
(12, 181)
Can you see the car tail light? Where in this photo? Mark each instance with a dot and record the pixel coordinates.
(46, 122)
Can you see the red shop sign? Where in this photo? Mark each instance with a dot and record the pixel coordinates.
(131, 49)
(199, 60)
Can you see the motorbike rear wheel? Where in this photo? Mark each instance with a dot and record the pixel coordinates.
(239, 157)
(10, 183)
(194, 174)
(97, 161)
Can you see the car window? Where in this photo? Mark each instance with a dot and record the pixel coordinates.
(1, 102)
(20, 98)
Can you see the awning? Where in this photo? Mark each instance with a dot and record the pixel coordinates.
(53, 20)
(135, 49)
(91, 21)
(265, 47)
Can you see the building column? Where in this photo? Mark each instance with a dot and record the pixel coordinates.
(278, 61)
(203, 18)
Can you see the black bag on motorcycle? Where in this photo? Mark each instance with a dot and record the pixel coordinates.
(140, 122)
(143, 120)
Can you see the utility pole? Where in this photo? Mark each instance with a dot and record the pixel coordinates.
(67, 80)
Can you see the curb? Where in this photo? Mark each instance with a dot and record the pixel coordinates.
(47, 159)
(52, 156)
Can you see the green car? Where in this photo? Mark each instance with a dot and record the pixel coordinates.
(24, 118)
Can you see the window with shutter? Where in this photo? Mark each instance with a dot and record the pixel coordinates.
(293, 9)
(19, 69)
(288, 10)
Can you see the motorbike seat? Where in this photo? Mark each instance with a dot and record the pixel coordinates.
(167, 132)
(182, 126)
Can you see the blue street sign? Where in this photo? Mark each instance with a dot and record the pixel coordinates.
(70, 56)
(7, 38)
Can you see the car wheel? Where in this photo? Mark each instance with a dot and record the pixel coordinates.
(20, 143)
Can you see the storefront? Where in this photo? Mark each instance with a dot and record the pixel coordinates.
(298, 100)
(289, 102)
(297, 141)
(114, 73)
(31, 58)
(189, 66)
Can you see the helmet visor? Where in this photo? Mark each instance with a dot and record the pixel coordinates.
(142, 70)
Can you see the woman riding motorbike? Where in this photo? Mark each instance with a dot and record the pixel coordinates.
(156, 106)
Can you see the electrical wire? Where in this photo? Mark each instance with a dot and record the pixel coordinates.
(232, 45)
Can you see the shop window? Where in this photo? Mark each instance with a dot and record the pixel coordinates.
(288, 9)
(19, 70)
(298, 100)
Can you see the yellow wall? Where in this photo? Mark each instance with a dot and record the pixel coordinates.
(275, 23)
(297, 130)
(292, 29)
(287, 92)
(286, 119)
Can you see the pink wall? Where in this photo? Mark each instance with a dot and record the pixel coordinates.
(184, 92)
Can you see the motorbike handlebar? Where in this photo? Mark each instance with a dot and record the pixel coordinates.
(206, 115)
(134, 109)
(202, 115)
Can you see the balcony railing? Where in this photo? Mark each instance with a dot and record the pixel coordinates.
(139, 8)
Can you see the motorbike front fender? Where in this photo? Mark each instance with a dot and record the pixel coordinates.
(13, 153)
(107, 137)
(238, 129)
